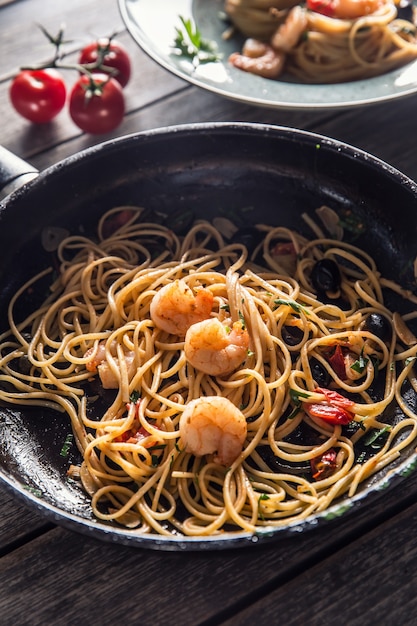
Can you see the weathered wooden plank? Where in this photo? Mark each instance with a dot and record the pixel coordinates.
(370, 581)
(148, 83)
(361, 128)
(65, 575)
(17, 522)
(23, 43)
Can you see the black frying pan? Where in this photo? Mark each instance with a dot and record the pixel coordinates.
(210, 168)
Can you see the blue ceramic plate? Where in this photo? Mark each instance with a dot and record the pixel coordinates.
(152, 25)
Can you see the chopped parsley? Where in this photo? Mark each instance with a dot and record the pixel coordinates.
(134, 396)
(293, 304)
(67, 445)
(360, 364)
(190, 43)
(296, 400)
(377, 437)
(263, 496)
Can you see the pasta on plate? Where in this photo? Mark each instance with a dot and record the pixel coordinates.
(246, 387)
(323, 41)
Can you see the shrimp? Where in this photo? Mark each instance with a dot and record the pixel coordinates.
(211, 347)
(213, 425)
(98, 363)
(259, 58)
(95, 356)
(109, 378)
(175, 307)
(288, 34)
(352, 9)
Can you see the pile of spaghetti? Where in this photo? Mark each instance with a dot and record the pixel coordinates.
(242, 396)
(323, 41)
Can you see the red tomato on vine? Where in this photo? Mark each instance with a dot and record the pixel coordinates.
(96, 104)
(38, 95)
(110, 54)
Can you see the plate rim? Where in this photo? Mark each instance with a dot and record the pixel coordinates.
(294, 102)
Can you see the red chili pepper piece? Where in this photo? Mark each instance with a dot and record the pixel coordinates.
(335, 410)
(324, 465)
(337, 361)
(329, 413)
(282, 248)
(333, 397)
(134, 435)
(325, 7)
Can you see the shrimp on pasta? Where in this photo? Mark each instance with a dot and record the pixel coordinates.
(327, 41)
(213, 389)
(213, 426)
(175, 307)
(216, 348)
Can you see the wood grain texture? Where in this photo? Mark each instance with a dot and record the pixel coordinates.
(371, 581)
(17, 523)
(62, 571)
(358, 570)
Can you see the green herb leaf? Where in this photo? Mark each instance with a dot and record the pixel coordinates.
(263, 496)
(158, 446)
(296, 400)
(155, 460)
(190, 43)
(374, 435)
(36, 492)
(294, 412)
(375, 362)
(352, 223)
(293, 304)
(296, 395)
(360, 364)
(67, 445)
(134, 396)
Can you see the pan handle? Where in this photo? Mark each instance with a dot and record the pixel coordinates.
(14, 172)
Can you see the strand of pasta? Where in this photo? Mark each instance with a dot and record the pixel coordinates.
(99, 309)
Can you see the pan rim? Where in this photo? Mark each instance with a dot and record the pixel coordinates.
(236, 539)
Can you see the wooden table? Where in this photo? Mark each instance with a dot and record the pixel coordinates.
(359, 570)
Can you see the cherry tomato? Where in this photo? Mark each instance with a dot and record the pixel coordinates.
(336, 409)
(324, 465)
(325, 7)
(38, 95)
(109, 53)
(97, 105)
(333, 397)
(329, 413)
(337, 361)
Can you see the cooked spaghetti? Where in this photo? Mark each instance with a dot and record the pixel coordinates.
(330, 41)
(240, 396)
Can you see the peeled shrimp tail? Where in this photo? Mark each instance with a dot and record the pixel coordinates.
(213, 425)
(175, 307)
(215, 349)
(288, 34)
(259, 58)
